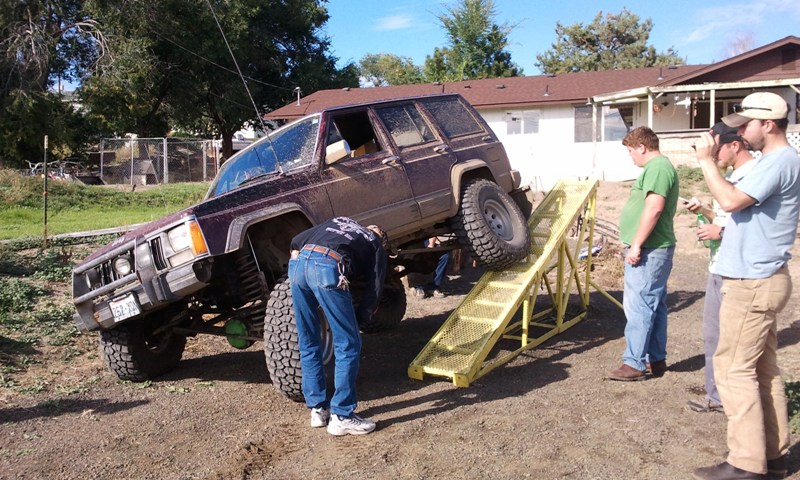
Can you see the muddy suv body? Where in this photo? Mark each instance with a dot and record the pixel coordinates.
(419, 167)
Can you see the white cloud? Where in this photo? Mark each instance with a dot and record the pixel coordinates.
(724, 22)
(394, 22)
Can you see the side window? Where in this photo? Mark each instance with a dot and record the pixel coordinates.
(356, 128)
(406, 125)
(452, 117)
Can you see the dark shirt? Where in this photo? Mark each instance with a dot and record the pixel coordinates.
(365, 258)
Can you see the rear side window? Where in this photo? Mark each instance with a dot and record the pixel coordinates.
(406, 125)
(452, 117)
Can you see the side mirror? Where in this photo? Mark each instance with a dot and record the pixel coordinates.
(336, 151)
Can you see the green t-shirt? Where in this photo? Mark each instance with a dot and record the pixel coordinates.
(659, 177)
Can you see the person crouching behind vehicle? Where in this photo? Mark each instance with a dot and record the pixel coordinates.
(324, 259)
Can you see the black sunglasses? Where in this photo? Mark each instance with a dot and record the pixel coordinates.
(737, 107)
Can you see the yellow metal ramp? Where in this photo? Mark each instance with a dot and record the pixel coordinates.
(460, 348)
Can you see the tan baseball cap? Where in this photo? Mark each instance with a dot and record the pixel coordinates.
(758, 105)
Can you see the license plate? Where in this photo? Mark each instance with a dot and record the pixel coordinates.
(124, 307)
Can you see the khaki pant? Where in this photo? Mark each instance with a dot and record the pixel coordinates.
(746, 370)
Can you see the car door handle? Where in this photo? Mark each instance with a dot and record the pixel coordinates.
(441, 148)
(393, 160)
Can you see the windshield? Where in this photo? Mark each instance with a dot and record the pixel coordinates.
(293, 146)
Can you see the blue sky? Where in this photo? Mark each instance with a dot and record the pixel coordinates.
(700, 32)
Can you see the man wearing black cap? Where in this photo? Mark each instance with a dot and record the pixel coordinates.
(756, 286)
(730, 152)
(323, 261)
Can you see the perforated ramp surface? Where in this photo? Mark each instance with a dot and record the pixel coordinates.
(461, 345)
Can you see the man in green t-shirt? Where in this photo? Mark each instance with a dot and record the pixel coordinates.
(646, 230)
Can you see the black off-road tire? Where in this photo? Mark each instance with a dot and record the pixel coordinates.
(391, 308)
(133, 354)
(490, 224)
(281, 347)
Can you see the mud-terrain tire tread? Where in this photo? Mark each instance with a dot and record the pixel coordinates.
(127, 354)
(391, 309)
(281, 346)
(473, 232)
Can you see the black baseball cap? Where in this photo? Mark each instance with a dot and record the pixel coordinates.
(726, 134)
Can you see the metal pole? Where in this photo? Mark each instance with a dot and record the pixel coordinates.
(102, 153)
(205, 160)
(131, 149)
(45, 191)
(166, 162)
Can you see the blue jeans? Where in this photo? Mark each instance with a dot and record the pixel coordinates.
(314, 277)
(645, 303)
(438, 276)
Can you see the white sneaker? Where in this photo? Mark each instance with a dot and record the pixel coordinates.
(320, 417)
(352, 425)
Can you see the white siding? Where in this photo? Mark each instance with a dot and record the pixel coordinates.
(549, 155)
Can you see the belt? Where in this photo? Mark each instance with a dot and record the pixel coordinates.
(324, 250)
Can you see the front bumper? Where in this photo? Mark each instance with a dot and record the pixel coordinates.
(152, 289)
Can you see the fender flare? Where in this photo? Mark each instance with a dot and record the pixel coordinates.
(459, 171)
(236, 237)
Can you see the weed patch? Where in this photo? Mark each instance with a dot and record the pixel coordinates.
(793, 400)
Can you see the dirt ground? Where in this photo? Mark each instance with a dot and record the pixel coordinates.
(547, 414)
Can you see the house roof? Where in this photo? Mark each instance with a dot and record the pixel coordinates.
(775, 63)
(766, 53)
(495, 92)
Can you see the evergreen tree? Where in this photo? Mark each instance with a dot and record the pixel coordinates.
(609, 42)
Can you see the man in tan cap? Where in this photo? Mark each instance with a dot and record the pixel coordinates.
(764, 207)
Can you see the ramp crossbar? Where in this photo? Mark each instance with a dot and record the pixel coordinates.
(460, 348)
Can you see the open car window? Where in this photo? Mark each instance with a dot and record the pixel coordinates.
(287, 148)
(356, 128)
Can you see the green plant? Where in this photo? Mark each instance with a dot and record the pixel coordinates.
(793, 401)
(53, 265)
(691, 180)
(17, 295)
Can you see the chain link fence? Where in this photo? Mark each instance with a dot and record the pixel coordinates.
(151, 161)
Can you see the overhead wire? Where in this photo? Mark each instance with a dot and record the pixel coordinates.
(212, 62)
(247, 89)
(225, 38)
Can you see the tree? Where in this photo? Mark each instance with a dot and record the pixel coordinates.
(382, 69)
(41, 41)
(740, 43)
(164, 71)
(476, 45)
(609, 42)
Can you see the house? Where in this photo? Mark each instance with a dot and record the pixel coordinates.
(571, 125)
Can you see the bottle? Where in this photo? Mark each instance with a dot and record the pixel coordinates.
(712, 244)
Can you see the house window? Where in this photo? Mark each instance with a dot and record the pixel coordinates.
(522, 122)
(583, 124)
(617, 122)
(613, 123)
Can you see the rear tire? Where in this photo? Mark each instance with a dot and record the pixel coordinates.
(491, 225)
(391, 308)
(133, 353)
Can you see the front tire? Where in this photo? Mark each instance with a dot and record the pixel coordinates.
(491, 225)
(281, 346)
(133, 353)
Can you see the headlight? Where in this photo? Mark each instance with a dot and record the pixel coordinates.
(187, 242)
(123, 265)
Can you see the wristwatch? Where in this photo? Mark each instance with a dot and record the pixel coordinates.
(721, 232)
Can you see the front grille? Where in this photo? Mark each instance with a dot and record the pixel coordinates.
(103, 273)
(158, 254)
